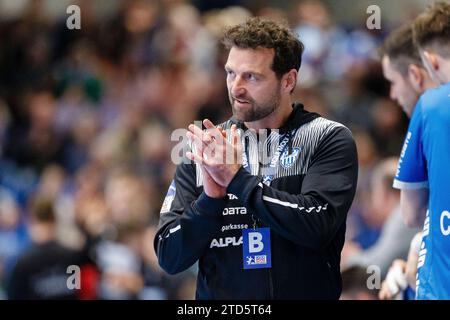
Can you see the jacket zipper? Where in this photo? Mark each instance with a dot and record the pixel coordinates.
(269, 270)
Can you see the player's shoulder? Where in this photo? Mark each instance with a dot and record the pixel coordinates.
(434, 98)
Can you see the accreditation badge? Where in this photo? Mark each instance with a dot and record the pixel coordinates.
(256, 248)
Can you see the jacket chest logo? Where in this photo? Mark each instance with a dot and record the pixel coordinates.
(287, 160)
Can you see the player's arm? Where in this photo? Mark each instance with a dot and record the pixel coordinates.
(414, 206)
(412, 174)
(413, 258)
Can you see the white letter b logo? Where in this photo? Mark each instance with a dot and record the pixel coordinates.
(254, 242)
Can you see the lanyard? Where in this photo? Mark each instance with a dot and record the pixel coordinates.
(267, 179)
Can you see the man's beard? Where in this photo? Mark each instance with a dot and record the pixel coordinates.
(255, 111)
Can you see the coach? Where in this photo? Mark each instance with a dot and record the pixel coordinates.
(262, 229)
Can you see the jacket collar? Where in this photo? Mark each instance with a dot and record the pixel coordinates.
(298, 117)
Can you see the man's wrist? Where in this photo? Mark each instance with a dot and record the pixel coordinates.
(233, 173)
(242, 184)
(208, 206)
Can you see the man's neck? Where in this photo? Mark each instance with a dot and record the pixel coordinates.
(274, 120)
(42, 233)
(427, 84)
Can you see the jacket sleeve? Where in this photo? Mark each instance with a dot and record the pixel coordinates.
(188, 221)
(313, 217)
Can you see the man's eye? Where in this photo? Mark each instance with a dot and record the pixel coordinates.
(229, 72)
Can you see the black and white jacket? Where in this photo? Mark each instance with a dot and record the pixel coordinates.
(305, 207)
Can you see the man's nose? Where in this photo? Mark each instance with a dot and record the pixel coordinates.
(237, 87)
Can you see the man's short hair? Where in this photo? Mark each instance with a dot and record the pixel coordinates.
(384, 173)
(42, 210)
(354, 282)
(400, 49)
(432, 28)
(257, 32)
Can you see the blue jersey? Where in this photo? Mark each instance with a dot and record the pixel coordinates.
(425, 163)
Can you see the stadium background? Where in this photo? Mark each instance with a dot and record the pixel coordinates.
(86, 117)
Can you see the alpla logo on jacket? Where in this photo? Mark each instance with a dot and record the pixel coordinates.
(287, 160)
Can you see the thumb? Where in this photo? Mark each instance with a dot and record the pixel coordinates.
(236, 142)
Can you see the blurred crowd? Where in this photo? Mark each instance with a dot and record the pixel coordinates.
(86, 118)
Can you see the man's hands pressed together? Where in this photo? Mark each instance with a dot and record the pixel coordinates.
(219, 158)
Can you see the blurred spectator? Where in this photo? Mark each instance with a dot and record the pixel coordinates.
(14, 236)
(120, 265)
(322, 40)
(126, 199)
(355, 285)
(395, 237)
(157, 283)
(42, 271)
(35, 143)
(388, 123)
(4, 121)
(368, 157)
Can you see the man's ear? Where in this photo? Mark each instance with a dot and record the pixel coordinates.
(416, 78)
(289, 81)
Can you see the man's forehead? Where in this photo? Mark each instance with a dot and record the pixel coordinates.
(385, 61)
(248, 58)
(388, 68)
